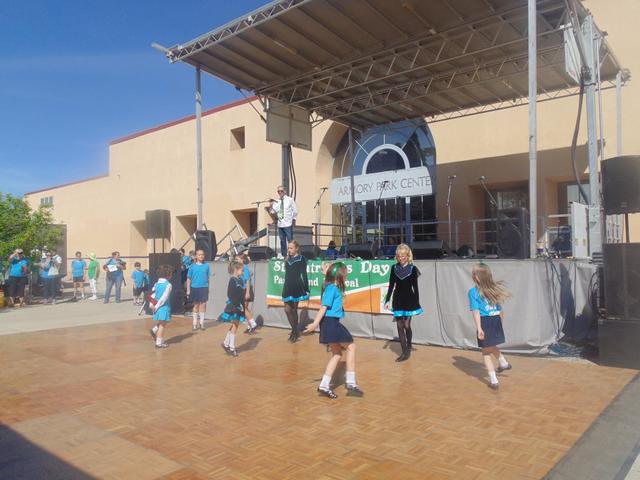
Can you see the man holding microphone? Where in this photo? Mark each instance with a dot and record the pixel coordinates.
(284, 212)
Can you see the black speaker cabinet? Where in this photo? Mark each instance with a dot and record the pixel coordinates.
(365, 251)
(430, 250)
(620, 184)
(206, 240)
(513, 233)
(622, 281)
(619, 343)
(258, 252)
(177, 289)
(157, 223)
(310, 252)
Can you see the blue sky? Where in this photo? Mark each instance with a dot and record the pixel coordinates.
(76, 74)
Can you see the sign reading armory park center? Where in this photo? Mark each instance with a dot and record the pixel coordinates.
(366, 284)
(409, 182)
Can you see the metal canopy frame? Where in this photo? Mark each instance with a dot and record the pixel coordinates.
(371, 62)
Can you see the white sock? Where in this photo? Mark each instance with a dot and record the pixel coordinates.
(232, 341)
(155, 328)
(201, 315)
(325, 383)
(351, 378)
(195, 318)
(252, 323)
(226, 339)
(158, 340)
(503, 361)
(493, 377)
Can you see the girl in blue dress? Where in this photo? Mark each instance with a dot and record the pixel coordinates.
(333, 333)
(403, 285)
(295, 288)
(161, 304)
(485, 300)
(197, 288)
(234, 311)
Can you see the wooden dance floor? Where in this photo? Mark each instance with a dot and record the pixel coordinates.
(100, 402)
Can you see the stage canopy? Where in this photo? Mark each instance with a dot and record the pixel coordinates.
(371, 62)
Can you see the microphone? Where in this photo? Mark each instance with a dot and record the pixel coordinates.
(324, 188)
(482, 178)
(452, 177)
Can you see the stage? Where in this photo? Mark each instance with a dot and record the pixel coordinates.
(551, 299)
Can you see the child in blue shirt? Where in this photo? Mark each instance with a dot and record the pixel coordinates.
(161, 304)
(485, 300)
(138, 277)
(247, 283)
(198, 288)
(333, 333)
(234, 309)
(78, 269)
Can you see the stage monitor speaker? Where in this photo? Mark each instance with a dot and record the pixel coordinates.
(365, 251)
(513, 233)
(310, 252)
(430, 250)
(177, 289)
(618, 343)
(206, 240)
(620, 180)
(157, 223)
(259, 252)
(622, 281)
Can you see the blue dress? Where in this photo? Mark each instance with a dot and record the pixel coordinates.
(331, 330)
(490, 319)
(163, 313)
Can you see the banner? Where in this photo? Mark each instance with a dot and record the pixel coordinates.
(389, 184)
(366, 284)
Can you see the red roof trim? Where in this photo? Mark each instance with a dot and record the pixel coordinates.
(97, 177)
(220, 108)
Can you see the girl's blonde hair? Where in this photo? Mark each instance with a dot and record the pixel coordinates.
(405, 248)
(493, 291)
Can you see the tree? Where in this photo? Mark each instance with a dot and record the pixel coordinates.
(23, 227)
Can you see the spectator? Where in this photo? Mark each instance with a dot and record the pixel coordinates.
(93, 272)
(331, 253)
(115, 276)
(19, 267)
(78, 268)
(49, 268)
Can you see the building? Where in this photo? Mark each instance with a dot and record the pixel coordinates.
(241, 169)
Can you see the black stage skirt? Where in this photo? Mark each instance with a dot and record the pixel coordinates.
(332, 331)
(493, 332)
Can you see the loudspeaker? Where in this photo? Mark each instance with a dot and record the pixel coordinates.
(622, 281)
(619, 342)
(258, 252)
(206, 240)
(430, 250)
(620, 180)
(366, 251)
(310, 252)
(157, 223)
(513, 233)
(177, 289)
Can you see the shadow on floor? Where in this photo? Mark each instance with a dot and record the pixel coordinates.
(249, 345)
(393, 345)
(471, 368)
(21, 460)
(179, 338)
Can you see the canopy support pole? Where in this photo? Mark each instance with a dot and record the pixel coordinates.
(533, 130)
(199, 219)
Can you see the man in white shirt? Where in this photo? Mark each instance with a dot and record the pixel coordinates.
(285, 212)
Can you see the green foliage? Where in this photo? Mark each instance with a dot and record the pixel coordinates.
(23, 227)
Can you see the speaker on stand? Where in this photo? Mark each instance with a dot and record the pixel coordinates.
(206, 241)
(513, 233)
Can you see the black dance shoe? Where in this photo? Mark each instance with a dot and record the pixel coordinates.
(327, 393)
(494, 386)
(503, 369)
(354, 390)
(402, 357)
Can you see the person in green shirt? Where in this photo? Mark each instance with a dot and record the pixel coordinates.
(93, 271)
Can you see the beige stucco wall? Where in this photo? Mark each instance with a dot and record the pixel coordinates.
(156, 170)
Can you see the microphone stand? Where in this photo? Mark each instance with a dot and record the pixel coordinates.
(257, 204)
(384, 184)
(448, 205)
(319, 207)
